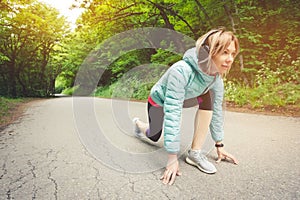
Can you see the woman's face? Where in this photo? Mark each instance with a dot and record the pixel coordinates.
(224, 60)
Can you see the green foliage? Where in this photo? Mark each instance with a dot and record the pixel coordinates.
(105, 91)
(60, 85)
(3, 59)
(29, 32)
(126, 62)
(271, 88)
(38, 54)
(165, 57)
(69, 91)
(135, 84)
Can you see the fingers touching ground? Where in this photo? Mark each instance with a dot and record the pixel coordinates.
(169, 176)
(223, 155)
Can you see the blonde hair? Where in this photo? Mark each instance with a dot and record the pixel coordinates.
(217, 41)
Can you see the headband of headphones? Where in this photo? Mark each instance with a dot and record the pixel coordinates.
(204, 41)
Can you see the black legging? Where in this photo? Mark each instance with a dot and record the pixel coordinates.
(156, 114)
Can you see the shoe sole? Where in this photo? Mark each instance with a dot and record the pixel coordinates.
(189, 161)
(140, 136)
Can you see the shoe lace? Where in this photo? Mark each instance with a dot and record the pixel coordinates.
(200, 156)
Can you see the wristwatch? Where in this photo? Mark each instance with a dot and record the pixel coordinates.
(219, 145)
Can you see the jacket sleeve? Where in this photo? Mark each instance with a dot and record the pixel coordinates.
(174, 97)
(217, 122)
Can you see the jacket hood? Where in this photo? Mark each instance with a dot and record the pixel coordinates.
(191, 56)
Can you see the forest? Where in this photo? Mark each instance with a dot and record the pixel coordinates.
(120, 48)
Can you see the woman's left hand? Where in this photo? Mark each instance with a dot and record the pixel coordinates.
(223, 155)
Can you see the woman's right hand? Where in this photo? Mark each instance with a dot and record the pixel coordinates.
(172, 170)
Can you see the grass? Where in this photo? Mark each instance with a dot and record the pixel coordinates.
(7, 108)
(262, 96)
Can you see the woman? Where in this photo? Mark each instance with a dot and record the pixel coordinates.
(197, 76)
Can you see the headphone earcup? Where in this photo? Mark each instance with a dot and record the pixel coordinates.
(203, 57)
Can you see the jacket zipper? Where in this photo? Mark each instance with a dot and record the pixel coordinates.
(207, 88)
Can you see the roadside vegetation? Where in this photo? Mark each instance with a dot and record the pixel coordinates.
(40, 54)
(8, 109)
(278, 88)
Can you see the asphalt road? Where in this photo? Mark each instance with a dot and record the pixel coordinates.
(83, 148)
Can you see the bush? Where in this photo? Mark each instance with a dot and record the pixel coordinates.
(271, 88)
(69, 91)
(105, 91)
(135, 84)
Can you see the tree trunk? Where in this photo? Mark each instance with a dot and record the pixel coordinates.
(233, 25)
(165, 17)
(12, 79)
(24, 89)
(228, 12)
(204, 11)
(52, 87)
(177, 41)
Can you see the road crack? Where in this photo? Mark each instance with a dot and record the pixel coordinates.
(54, 183)
(4, 169)
(32, 168)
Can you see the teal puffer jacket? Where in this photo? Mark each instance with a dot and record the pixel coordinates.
(185, 80)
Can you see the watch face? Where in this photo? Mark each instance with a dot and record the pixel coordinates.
(219, 145)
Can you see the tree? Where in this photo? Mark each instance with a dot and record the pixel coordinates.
(29, 33)
(267, 33)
